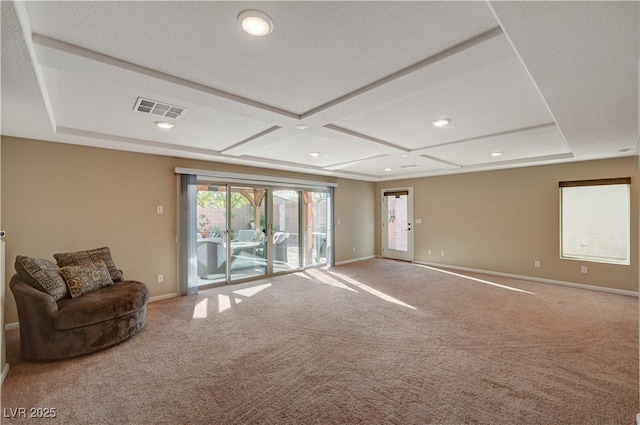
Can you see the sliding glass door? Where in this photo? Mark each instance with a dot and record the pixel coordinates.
(286, 239)
(211, 229)
(246, 231)
(248, 248)
(316, 227)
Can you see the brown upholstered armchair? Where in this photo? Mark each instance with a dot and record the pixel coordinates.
(51, 329)
(80, 305)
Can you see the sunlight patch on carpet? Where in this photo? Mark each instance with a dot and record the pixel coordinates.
(486, 282)
(249, 292)
(224, 303)
(200, 309)
(323, 278)
(302, 274)
(371, 290)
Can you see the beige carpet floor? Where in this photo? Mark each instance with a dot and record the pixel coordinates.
(373, 342)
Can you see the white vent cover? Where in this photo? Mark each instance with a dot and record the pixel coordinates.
(160, 109)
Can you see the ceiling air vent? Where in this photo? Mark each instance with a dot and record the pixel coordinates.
(158, 108)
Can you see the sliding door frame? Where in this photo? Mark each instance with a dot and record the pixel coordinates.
(269, 184)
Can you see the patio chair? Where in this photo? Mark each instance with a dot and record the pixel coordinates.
(280, 246)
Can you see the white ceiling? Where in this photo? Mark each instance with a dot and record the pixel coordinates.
(541, 82)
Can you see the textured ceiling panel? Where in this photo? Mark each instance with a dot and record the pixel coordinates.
(74, 101)
(584, 58)
(331, 150)
(487, 100)
(522, 145)
(398, 166)
(314, 54)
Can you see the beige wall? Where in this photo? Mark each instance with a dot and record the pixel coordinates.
(60, 197)
(502, 221)
(355, 202)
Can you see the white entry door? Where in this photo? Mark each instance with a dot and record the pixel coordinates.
(397, 223)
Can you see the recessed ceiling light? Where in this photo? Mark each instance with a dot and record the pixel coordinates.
(255, 23)
(315, 154)
(164, 124)
(302, 127)
(405, 156)
(496, 154)
(387, 169)
(441, 122)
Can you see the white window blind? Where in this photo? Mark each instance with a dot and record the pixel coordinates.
(595, 220)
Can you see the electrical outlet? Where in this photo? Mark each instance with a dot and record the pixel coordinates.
(160, 278)
(583, 269)
(536, 264)
(160, 209)
(354, 249)
(442, 253)
(428, 252)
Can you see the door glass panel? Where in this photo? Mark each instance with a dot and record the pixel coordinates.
(397, 222)
(315, 227)
(286, 236)
(247, 240)
(211, 226)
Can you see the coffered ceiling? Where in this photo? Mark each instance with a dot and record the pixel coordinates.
(536, 82)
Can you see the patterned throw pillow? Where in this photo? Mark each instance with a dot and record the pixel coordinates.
(42, 274)
(86, 278)
(87, 257)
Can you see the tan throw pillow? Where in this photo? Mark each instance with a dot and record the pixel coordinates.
(86, 278)
(88, 257)
(43, 275)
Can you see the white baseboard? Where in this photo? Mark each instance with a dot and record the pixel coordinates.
(162, 297)
(11, 326)
(534, 279)
(369, 257)
(5, 372)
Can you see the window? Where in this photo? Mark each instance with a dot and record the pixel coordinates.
(595, 220)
